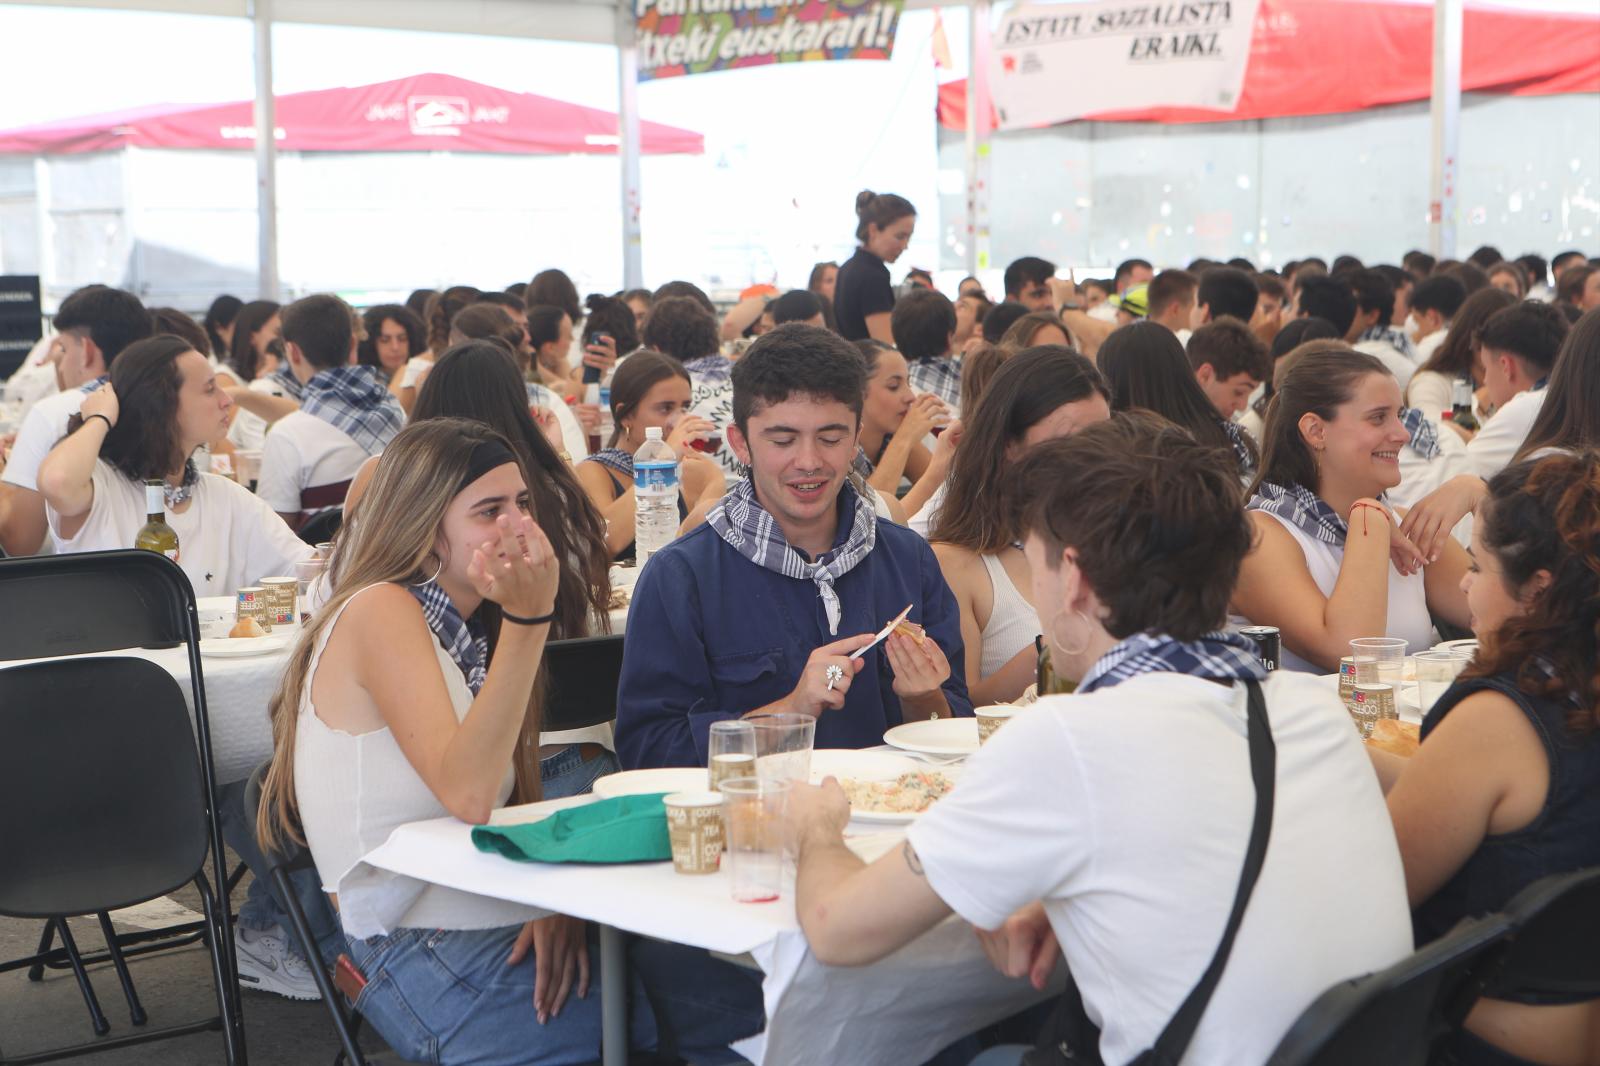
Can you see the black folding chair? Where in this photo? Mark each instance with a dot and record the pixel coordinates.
(1555, 939)
(107, 792)
(346, 1025)
(581, 679)
(1395, 1016)
(321, 527)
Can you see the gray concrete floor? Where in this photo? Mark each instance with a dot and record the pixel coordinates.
(175, 986)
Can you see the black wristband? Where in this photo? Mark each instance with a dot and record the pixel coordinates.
(507, 616)
(109, 424)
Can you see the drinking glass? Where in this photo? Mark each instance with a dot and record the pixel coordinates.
(783, 745)
(752, 820)
(732, 751)
(1388, 653)
(1437, 671)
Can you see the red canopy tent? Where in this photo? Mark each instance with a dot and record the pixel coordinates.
(423, 113)
(1320, 57)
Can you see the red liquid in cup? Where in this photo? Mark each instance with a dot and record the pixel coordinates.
(710, 445)
(938, 430)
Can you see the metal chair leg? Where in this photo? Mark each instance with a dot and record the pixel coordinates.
(46, 938)
(224, 974)
(135, 1008)
(319, 973)
(97, 1017)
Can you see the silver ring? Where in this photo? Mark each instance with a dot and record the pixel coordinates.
(834, 675)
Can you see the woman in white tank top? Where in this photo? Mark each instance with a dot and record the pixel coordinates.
(392, 710)
(1330, 564)
(1041, 394)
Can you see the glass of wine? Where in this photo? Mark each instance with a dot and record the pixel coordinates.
(732, 750)
(709, 445)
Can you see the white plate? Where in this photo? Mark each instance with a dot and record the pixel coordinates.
(1469, 645)
(859, 765)
(941, 736)
(649, 782)
(904, 817)
(241, 647)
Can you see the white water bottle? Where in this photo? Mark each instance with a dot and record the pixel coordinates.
(607, 426)
(655, 495)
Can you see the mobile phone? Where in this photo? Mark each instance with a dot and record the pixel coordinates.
(591, 374)
(348, 979)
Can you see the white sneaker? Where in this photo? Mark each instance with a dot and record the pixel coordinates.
(268, 964)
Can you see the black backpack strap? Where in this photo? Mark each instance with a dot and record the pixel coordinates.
(1174, 1039)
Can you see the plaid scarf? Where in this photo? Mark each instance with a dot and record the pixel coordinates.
(1241, 445)
(709, 369)
(750, 530)
(1302, 509)
(614, 458)
(354, 400)
(464, 640)
(95, 384)
(1215, 657)
(1394, 338)
(1424, 439)
(939, 375)
(284, 378)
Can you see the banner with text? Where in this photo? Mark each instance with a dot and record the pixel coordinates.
(695, 36)
(1054, 63)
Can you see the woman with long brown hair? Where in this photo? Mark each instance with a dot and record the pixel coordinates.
(1040, 394)
(1505, 788)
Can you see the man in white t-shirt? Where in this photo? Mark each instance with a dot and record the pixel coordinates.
(93, 326)
(348, 414)
(1434, 302)
(1519, 348)
(1110, 826)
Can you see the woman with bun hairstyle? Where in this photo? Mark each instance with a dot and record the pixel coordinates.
(863, 296)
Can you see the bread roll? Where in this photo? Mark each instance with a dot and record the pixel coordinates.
(247, 627)
(1396, 737)
(912, 630)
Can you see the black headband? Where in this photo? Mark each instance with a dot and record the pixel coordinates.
(485, 457)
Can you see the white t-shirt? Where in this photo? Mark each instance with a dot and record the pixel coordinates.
(1497, 442)
(304, 452)
(227, 538)
(1430, 344)
(572, 434)
(922, 521)
(249, 431)
(1392, 358)
(1432, 393)
(1127, 812)
(42, 430)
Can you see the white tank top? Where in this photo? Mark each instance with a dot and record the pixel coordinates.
(1408, 598)
(353, 791)
(1012, 625)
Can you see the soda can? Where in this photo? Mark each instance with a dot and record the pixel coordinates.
(1268, 641)
(252, 603)
(281, 600)
(1371, 704)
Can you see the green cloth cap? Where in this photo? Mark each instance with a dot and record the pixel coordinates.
(625, 829)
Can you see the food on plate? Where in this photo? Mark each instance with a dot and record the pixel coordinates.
(912, 630)
(1396, 737)
(910, 793)
(619, 599)
(247, 627)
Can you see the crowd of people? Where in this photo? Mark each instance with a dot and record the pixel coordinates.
(1116, 474)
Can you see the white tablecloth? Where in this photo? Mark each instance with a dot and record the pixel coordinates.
(902, 1009)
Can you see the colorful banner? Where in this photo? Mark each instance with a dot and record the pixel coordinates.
(1058, 62)
(695, 36)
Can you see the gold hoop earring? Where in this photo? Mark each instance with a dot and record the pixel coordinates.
(1060, 644)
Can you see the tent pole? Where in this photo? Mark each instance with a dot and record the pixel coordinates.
(628, 146)
(1443, 215)
(266, 153)
(978, 134)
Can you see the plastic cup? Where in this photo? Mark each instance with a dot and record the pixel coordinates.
(694, 825)
(1437, 671)
(732, 751)
(783, 745)
(1388, 654)
(991, 719)
(752, 820)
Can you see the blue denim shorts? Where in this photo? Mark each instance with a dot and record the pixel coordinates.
(566, 774)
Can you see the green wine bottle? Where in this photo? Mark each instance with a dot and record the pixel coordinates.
(155, 535)
(1051, 683)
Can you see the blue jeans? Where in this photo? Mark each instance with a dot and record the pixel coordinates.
(261, 909)
(566, 774)
(447, 997)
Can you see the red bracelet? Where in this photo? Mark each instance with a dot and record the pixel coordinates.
(1359, 504)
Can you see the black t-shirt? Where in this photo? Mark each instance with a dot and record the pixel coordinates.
(862, 289)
